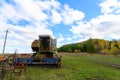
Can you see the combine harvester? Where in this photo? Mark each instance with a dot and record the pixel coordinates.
(44, 52)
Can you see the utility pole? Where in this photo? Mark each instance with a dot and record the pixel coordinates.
(5, 41)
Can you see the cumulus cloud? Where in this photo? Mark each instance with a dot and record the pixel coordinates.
(102, 26)
(70, 15)
(48, 4)
(56, 17)
(60, 38)
(110, 6)
(26, 19)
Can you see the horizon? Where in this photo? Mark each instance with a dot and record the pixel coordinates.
(69, 21)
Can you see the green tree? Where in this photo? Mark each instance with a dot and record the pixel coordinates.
(90, 46)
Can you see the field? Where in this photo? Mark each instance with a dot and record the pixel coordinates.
(74, 67)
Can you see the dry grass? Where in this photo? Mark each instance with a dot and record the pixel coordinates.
(74, 67)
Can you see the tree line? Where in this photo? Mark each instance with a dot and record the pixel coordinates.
(93, 46)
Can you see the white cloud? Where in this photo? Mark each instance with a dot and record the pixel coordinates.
(31, 9)
(68, 39)
(56, 17)
(70, 15)
(60, 38)
(40, 14)
(99, 27)
(48, 4)
(103, 25)
(110, 6)
(9, 12)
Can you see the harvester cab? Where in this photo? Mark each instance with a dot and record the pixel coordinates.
(44, 44)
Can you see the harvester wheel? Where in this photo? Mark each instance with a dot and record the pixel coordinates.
(59, 65)
(11, 60)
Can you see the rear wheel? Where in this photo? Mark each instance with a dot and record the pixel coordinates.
(59, 64)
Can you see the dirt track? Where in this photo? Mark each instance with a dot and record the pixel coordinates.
(110, 64)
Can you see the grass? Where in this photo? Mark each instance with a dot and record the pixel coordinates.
(74, 67)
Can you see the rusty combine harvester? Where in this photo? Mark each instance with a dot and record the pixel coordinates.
(44, 52)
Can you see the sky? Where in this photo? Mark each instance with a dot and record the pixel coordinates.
(69, 21)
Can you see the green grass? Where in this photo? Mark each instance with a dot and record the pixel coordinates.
(74, 67)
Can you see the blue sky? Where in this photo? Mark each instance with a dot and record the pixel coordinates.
(89, 7)
(69, 21)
